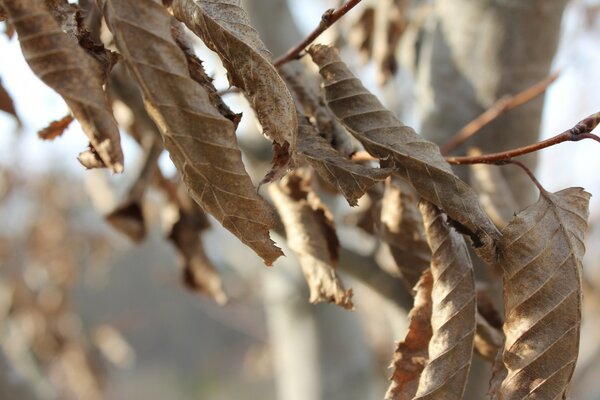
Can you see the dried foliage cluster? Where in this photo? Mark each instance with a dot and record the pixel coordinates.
(421, 210)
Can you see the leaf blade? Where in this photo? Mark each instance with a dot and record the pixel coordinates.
(200, 141)
(540, 253)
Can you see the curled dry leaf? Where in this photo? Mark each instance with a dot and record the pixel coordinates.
(6, 103)
(402, 230)
(56, 128)
(540, 253)
(61, 64)
(224, 27)
(200, 141)
(90, 158)
(453, 310)
(352, 179)
(311, 235)
(311, 102)
(412, 353)
(414, 158)
(199, 273)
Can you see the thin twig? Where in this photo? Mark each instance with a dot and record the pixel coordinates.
(328, 18)
(579, 132)
(504, 104)
(527, 171)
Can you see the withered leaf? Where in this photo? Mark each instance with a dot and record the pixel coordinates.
(414, 158)
(90, 158)
(402, 230)
(488, 339)
(61, 64)
(224, 27)
(352, 179)
(453, 310)
(56, 128)
(200, 141)
(6, 102)
(311, 235)
(412, 354)
(540, 253)
(199, 273)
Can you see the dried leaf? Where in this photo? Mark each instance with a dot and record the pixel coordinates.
(129, 220)
(402, 229)
(201, 142)
(6, 103)
(414, 158)
(65, 67)
(412, 354)
(311, 235)
(540, 253)
(224, 27)
(56, 128)
(311, 102)
(453, 312)
(352, 179)
(199, 274)
(90, 159)
(361, 33)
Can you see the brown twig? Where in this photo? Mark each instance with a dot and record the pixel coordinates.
(527, 171)
(504, 104)
(328, 18)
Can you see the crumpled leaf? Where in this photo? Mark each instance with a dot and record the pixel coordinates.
(199, 273)
(352, 179)
(540, 253)
(56, 128)
(200, 141)
(412, 353)
(453, 310)
(224, 27)
(6, 103)
(311, 102)
(402, 230)
(311, 235)
(414, 158)
(61, 64)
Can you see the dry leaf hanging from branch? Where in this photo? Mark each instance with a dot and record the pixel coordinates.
(453, 310)
(414, 158)
(61, 64)
(6, 102)
(412, 354)
(56, 128)
(311, 235)
(540, 253)
(224, 27)
(200, 141)
(402, 230)
(352, 179)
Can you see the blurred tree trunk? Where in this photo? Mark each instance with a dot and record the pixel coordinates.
(473, 53)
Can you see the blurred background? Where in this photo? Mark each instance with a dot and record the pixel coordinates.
(87, 313)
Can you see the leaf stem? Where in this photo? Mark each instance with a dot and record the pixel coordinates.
(328, 18)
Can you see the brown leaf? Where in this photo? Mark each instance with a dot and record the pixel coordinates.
(201, 142)
(311, 235)
(90, 159)
(199, 273)
(6, 102)
(65, 67)
(352, 179)
(412, 353)
(224, 27)
(402, 230)
(540, 253)
(129, 220)
(414, 158)
(311, 102)
(56, 128)
(488, 339)
(453, 313)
